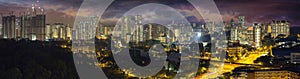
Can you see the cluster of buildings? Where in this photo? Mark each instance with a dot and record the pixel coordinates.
(32, 25)
(254, 34)
(131, 29)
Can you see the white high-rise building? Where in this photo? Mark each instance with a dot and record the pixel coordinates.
(138, 35)
(48, 32)
(68, 33)
(126, 27)
(257, 35)
(86, 28)
(150, 31)
(280, 27)
(9, 26)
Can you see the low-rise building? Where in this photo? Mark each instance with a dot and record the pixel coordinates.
(276, 74)
(234, 51)
(266, 74)
(295, 58)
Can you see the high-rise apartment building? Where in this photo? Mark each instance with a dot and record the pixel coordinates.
(48, 32)
(257, 34)
(18, 27)
(280, 28)
(86, 28)
(126, 25)
(133, 29)
(139, 28)
(9, 26)
(242, 21)
(34, 26)
(233, 34)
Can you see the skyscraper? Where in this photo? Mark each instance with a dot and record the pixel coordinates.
(232, 23)
(1, 31)
(138, 35)
(99, 29)
(233, 34)
(126, 28)
(86, 28)
(257, 34)
(241, 21)
(68, 32)
(39, 27)
(33, 26)
(9, 26)
(33, 23)
(48, 32)
(18, 28)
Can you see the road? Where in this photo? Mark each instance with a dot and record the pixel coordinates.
(228, 67)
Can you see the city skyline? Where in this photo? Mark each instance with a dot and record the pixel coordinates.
(254, 11)
(163, 39)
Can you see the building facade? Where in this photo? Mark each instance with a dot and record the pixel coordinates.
(266, 74)
(295, 58)
(86, 28)
(257, 35)
(9, 26)
(241, 21)
(58, 31)
(276, 74)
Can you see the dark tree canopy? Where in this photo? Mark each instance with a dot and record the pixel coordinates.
(35, 60)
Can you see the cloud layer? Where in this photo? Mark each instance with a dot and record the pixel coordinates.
(254, 10)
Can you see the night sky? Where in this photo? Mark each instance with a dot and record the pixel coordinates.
(255, 10)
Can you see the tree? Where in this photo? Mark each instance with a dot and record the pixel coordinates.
(264, 60)
(13, 73)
